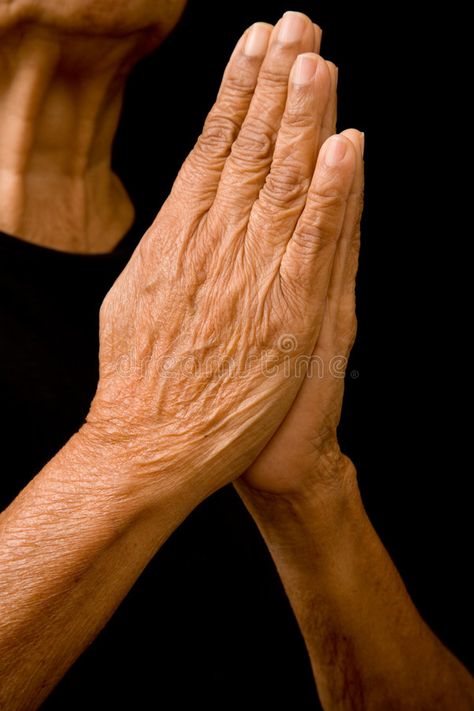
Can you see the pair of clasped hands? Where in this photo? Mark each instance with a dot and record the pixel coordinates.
(245, 278)
(218, 345)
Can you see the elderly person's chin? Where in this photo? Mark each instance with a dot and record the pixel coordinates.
(101, 17)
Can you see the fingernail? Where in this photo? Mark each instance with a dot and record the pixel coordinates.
(257, 41)
(362, 143)
(305, 68)
(292, 27)
(336, 149)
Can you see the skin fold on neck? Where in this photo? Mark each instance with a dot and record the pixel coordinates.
(60, 101)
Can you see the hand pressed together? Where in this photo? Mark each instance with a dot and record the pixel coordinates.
(195, 372)
(304, 455)
(222, 353)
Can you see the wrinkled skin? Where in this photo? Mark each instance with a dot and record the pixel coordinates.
(304, 457)
(101, 17)
(249, 266)
(236, 265)
(63, 68)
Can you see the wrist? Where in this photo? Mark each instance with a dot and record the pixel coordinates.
(317, 519)
(121, 473)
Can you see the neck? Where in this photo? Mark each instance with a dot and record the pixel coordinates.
(60, 100)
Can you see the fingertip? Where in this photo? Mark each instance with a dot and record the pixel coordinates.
(311, 70)
(357, 138)
(309, 37)
(324, 83)
(304, 68)
(333, 70)
(337, 151)
(256, 39)
(294, 26)
(325, 70)
(318, 34)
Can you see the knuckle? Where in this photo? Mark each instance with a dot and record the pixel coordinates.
(273, 77)
(241, 78)
(307, 236)
(298, 117)
(322, 226)
(218, 135)
(325, 208)
(331, 186)
(255, 142)
(285, 186)
(302, 110)
(297, 278)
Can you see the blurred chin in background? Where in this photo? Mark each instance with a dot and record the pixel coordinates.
(101, 17)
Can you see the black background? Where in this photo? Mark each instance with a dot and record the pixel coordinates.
(401, 423)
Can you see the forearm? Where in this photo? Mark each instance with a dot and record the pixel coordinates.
(71, 546)
(369, 647)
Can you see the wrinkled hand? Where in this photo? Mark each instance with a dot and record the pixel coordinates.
(304, 457)
(193, 333)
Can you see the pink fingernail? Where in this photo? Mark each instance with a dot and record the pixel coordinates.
(336, 148)
(257, 40)
(292, 27)
(305, 68)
